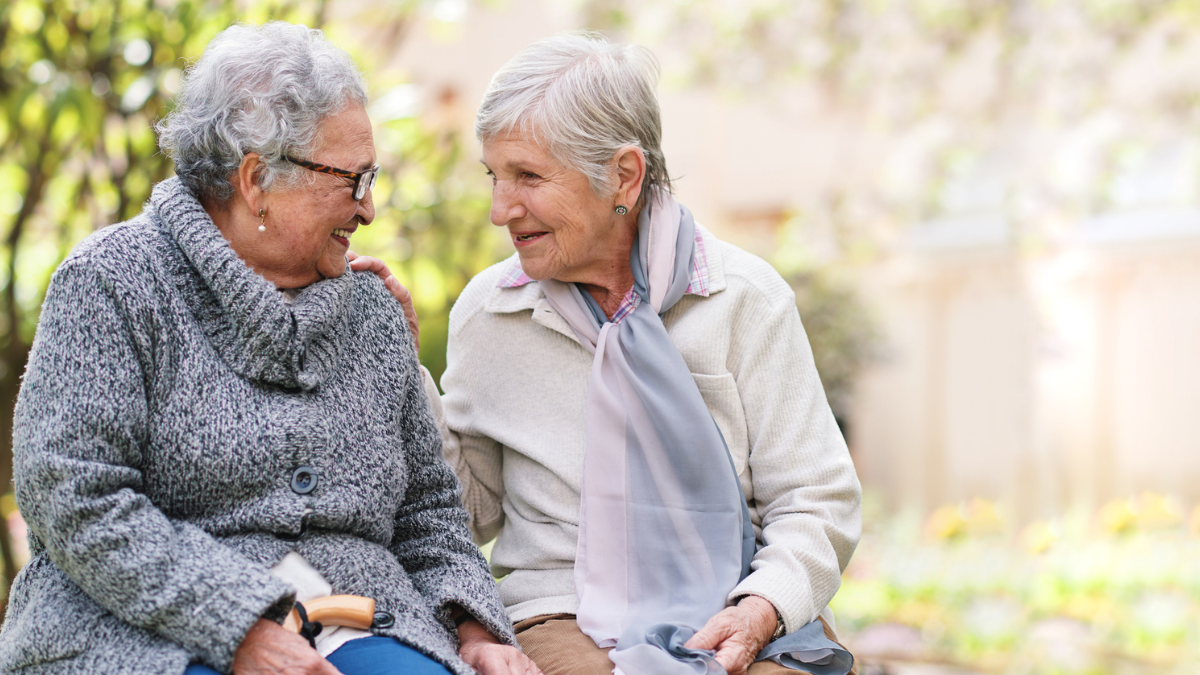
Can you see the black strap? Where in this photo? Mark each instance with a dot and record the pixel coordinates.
(309, 630)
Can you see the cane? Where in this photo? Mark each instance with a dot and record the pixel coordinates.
(352, 611)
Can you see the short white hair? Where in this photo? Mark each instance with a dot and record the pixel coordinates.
(583, 98)
(263, 89)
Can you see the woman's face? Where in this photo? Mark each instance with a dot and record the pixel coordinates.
(309, 226)
(560, 228)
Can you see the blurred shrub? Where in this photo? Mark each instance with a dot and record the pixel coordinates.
(1071, 595)
(843, 334)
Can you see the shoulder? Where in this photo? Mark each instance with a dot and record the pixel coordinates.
(369, 290)
(118, 258)
(481, 291)
(749, 280)
(379, 308)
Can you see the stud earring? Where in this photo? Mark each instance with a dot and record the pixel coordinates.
(262, 224)
(621, 210)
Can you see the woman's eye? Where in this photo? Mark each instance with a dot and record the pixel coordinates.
(529, 176)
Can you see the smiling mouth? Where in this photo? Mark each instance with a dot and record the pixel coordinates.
(529, 236)
(344, 234)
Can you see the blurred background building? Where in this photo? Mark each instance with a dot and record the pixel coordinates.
(990, 211)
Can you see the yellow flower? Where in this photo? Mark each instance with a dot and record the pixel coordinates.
(1158, 512)
(1117, 516)
(1039, 536)
(984, 517)
(946, 522)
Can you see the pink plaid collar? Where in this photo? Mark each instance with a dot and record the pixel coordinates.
(515, 277)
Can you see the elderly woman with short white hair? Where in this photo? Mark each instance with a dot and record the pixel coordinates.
(217, 420)
(632, 404)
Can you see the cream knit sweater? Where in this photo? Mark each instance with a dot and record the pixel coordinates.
(516, 384)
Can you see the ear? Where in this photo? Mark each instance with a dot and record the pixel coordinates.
(245, 182)
(631, 169)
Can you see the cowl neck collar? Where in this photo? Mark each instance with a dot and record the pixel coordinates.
(259, 335)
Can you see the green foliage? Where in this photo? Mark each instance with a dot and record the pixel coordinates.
(82, 85)
(432, 229)
(844, 336)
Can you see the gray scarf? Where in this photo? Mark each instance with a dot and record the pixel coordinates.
(664, 532)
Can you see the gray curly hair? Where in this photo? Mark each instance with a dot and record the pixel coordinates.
(262, 89)
(585, 98)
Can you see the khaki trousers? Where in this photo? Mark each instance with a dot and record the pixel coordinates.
(558, 647)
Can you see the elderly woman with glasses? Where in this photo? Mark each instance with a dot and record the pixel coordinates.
(632, 405)
(218, 419)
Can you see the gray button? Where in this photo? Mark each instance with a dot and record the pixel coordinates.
(304, 480)
(383, 620)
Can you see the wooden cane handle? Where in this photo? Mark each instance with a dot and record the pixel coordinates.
(352, 611)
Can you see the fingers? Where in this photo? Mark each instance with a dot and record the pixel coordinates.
(398, 290)
(361, 263)
(717, 630)
(365, 262)
(326, 668)
(527, 666)
(723, 633)
(734, 659)
(498, 659)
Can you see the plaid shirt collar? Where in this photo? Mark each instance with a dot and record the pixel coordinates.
(515, 277)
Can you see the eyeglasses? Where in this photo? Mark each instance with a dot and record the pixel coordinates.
(362, 181)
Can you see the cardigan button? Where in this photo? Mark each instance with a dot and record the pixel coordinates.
(383, 620)
(304, 480)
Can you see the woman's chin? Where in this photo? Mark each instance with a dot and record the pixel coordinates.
(331, 269)
(534, 266)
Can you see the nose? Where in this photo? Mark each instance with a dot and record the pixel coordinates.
(506, 203)
(366, 209)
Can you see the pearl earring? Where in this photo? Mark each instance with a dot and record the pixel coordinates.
(621, 210)
(262, 225)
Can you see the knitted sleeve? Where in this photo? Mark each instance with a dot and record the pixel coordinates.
(431, 538)
(804, 483)
(79, 428)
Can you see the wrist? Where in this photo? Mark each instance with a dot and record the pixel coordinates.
(472, 632)
(767, 621)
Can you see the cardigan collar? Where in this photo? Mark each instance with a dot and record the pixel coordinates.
(256, 333)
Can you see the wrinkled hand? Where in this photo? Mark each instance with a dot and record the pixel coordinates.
(738, 633)
(483, 652)
(358, 263)
(268, 649)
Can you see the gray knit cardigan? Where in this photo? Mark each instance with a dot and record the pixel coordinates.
(180, 428)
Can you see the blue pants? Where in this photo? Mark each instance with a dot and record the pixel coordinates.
(373, 655)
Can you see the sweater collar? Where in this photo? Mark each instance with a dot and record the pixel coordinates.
(256, 333)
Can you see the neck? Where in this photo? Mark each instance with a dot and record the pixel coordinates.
(608, 286)
(239, 226)
(609, 295)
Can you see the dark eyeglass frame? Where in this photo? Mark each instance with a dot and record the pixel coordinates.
(362, 181)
